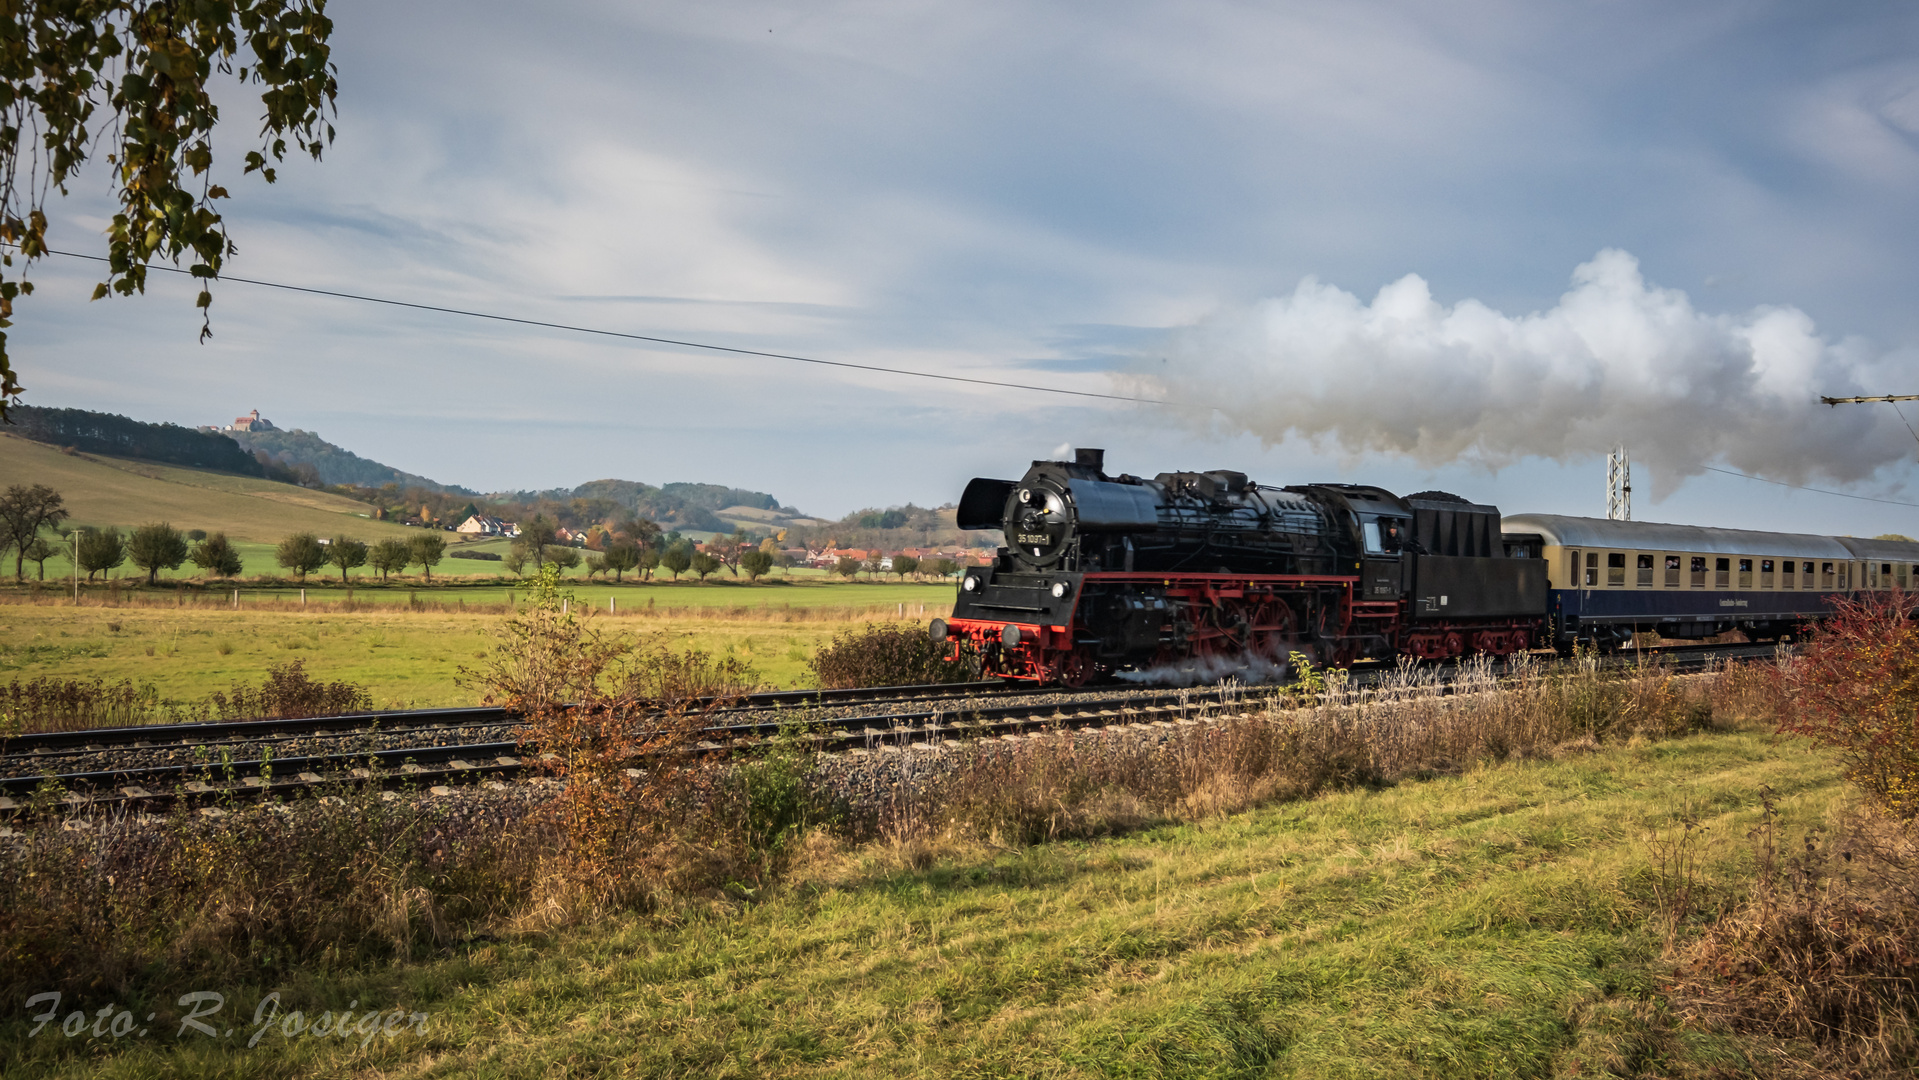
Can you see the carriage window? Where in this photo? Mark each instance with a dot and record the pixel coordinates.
(1765, 573)
(1592, 568)
(1672, 571)
(1645, 571)
(1825, 575)
(1745, 573)
(1698, 572)
(1805, 571)
(1885, 577)
(1785, 573)
(1615, 568)
(1721, 573)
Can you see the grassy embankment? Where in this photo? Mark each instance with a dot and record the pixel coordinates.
(1504, 922)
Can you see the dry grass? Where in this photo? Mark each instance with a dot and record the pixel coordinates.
(1825, 953)
(1410, 726)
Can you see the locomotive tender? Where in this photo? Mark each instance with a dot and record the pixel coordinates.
(1103, 574)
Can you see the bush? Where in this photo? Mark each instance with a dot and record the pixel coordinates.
(484, 556)
(887, 656)
(1855, 689)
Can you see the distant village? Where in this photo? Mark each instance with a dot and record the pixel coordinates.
(479, 526)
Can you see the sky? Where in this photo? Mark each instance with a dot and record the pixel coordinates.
(1467, 246)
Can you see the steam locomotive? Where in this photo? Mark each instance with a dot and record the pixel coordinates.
(1102, 574)
(1189, 571)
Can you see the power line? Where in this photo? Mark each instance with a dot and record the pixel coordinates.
(642, 337)
(1802, 487)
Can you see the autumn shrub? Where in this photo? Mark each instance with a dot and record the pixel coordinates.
(287, 692)
(887, 655)
(1825, 953)
(1854, 689)
(618, 721)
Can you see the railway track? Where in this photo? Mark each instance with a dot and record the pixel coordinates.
(433, 750)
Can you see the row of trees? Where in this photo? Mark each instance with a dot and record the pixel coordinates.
(304, 553)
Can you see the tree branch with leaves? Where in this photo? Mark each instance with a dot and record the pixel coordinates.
(134, 74)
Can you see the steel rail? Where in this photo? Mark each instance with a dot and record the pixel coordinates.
(255, 778)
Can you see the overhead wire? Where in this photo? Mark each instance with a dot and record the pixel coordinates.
(1802, 487)
(880, 368)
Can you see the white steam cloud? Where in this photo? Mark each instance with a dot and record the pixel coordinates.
(1616, 361)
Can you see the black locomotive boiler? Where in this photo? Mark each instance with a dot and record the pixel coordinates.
(1103, 574)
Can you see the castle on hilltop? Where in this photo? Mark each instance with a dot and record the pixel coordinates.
(251, 422)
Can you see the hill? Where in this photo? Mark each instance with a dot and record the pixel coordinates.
(682, 506)
(120, 436)
(101, 490)
(332, 464)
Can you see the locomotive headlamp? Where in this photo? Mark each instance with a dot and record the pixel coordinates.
(1060, 590)
(937, 630)
(970, 584)
(1009, 635)
(1026, 495)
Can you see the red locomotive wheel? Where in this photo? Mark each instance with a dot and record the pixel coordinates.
(1074, 669)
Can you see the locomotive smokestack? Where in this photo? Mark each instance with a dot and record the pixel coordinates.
(1091, 459)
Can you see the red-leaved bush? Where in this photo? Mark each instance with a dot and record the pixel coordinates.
(1855, 689)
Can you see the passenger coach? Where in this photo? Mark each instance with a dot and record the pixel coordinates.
(1607, 579)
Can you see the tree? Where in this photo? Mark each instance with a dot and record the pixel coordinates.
(620, 556)
(846, 567)
(157, 547)
(704, 564)
(756, 563)
(643, 532)
(390, 556)
(536, 535)
(905, 564)
(40, 551)
(301, 553)
(134, 73)
(563, 556)
(595, 563)
(514, 560)
(24, 511)
(346, 553)
(216, 556)
(101, 550)
(649, 561)
(676, 559)
(427, 549)
(945, 567)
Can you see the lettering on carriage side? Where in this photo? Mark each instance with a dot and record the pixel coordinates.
(1733, 603)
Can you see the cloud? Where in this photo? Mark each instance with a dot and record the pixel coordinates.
(1617, 360)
